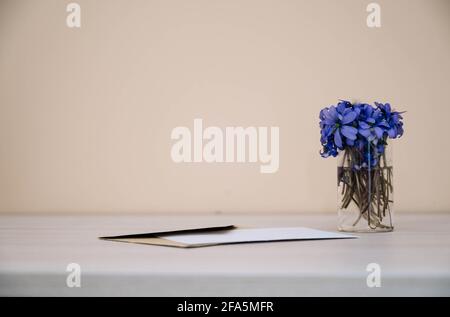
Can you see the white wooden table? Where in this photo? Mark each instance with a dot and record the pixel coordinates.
(35, 250)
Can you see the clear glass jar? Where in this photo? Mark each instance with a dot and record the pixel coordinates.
(365, 188)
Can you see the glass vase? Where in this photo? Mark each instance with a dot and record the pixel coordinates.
(365, 189)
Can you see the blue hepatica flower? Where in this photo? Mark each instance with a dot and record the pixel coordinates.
(393, 120)
(337, 121)
(361, 126)
(372, 125)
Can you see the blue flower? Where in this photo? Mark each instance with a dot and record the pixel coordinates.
(360, 126)
(371, 124)
(337, 121)
(393, 120)
(329, 149)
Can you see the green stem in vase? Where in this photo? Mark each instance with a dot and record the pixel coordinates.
(368, 188)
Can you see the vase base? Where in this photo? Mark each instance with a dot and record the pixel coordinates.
(366, 230)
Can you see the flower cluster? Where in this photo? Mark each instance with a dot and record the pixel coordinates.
(359, 125)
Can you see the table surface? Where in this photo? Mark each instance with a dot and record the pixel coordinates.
(35, 250)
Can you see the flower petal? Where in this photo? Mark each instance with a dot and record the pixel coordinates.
(349, 117)
(392, 133)
(331, 115)
(378, 132)
(363, 125)
(338, 139)
(341, 107)
(349, 132)
(387, 107)
(384, 124)
(364, 132)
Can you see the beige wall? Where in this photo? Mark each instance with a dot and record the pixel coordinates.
(86, 114)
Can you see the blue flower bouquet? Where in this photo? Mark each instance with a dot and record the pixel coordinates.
(359, 135)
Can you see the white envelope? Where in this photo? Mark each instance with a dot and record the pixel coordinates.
(230, 234)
